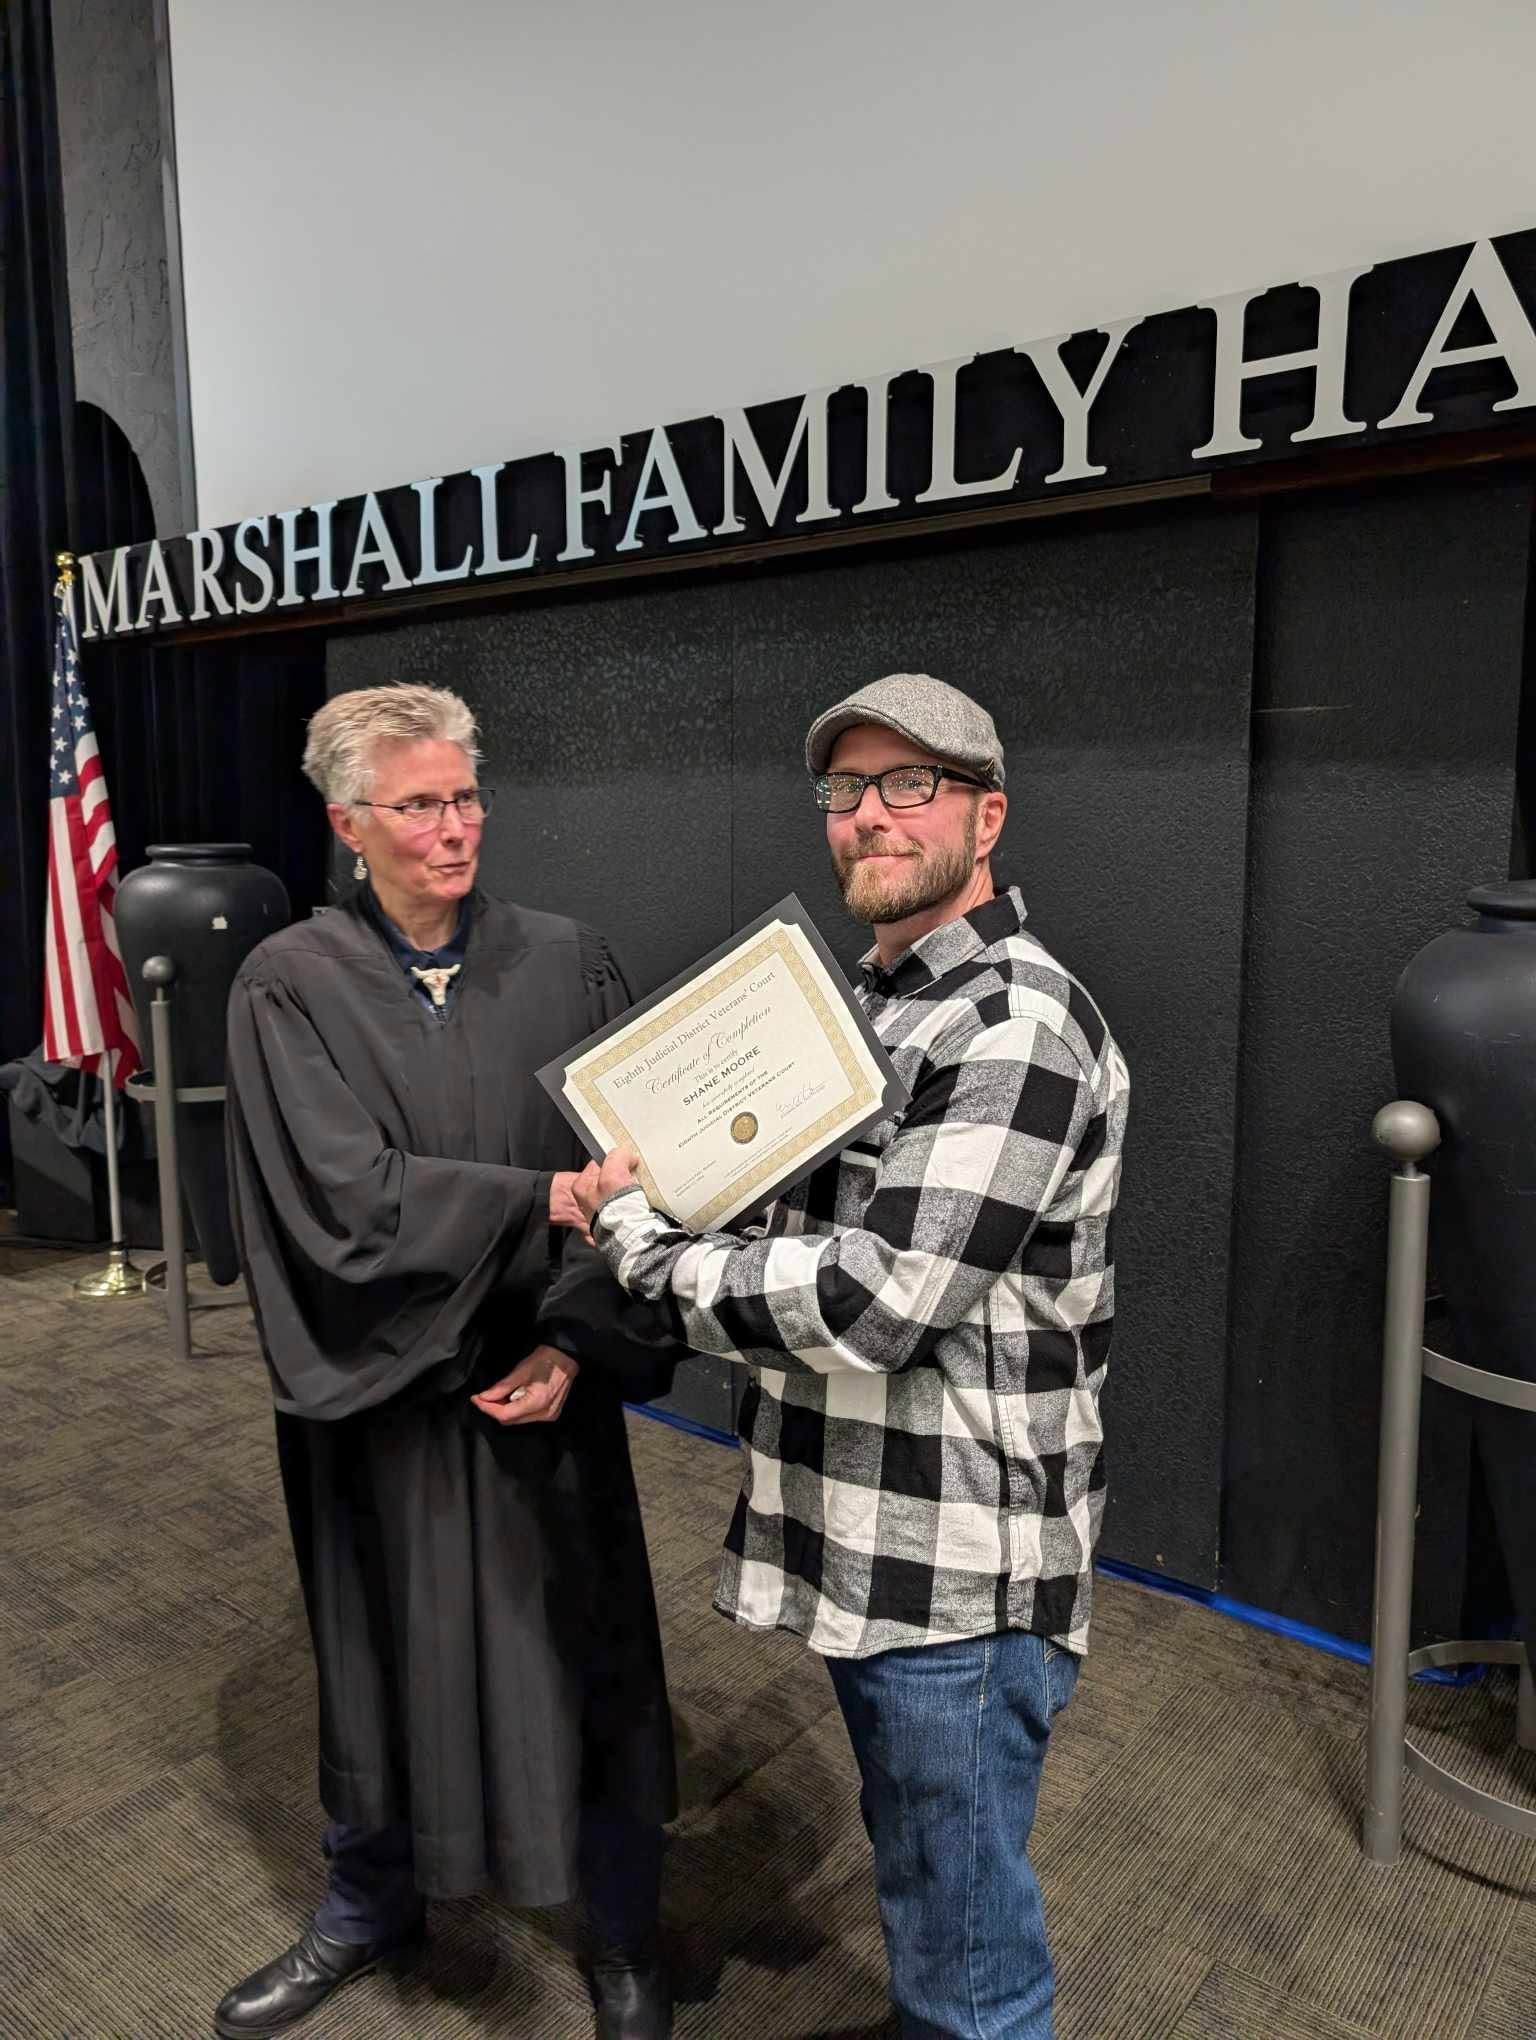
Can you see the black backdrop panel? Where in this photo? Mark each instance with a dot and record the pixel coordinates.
(606, 727)
(1116, 661)
(647, 748)
(1386, 693)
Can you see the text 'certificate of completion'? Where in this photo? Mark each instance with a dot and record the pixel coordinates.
(736, 1079)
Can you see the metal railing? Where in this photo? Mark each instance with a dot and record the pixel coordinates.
(1409, 1133)
(158, 1087)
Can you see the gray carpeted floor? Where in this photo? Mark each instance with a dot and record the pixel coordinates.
(1197, 1834)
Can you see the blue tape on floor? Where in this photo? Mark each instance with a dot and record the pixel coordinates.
(1277, 1625)
(681, 1423)
(1160, 1583)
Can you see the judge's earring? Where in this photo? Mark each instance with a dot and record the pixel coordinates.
(359, 868)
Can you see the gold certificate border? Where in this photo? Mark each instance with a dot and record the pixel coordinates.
(777, 941)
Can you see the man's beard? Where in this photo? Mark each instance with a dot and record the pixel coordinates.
(922, 879)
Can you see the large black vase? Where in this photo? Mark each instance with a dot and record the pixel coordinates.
(206, 906)
(1464, 1043)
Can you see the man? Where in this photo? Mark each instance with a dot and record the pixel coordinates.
(928, 1322)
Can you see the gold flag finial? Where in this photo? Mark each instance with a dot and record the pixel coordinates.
(65, 562)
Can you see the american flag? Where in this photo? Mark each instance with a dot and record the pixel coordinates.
(87, 1010)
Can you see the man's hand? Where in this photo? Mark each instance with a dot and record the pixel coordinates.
(533, 1393)
(594, 1186)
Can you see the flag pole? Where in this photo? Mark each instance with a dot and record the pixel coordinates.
(120, 1277)
(114, 1187)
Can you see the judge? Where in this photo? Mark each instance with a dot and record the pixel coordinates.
(447, 1361)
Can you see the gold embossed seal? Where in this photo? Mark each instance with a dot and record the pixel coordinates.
(744, 1127)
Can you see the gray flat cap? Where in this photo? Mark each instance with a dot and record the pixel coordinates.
(937, 717)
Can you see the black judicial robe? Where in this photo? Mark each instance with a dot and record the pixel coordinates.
(480, 1598)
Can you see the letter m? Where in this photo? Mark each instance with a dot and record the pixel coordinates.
(106, 610)
(741, 444)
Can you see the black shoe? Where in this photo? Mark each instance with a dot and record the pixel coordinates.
(300, 1980)
(631, 1994)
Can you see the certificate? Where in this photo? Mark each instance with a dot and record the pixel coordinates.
(735, 1080)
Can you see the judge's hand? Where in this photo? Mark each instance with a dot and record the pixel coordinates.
(563, 1208)
(533, 1393)
(594, 1186)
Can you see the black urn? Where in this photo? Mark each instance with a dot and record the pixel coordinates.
(1464, 1043)
(205, 906)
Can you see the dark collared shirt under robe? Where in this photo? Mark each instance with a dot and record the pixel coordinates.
(449, 958)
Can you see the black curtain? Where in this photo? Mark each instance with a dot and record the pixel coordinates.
(35, 505)
(198, 743)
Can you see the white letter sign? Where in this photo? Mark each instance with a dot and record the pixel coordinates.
(942, 484)
(1485, 279)
(1075, 404)
(741, 444)
(661, 462)
(1326, 359)
(105, 609)
(576, 498)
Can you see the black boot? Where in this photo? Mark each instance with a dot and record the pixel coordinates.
(631, 1993)
(298, 1982)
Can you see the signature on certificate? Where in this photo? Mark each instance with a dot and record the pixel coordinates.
(801, 1098)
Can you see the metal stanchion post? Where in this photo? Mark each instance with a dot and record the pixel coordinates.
(1408, 1133)
(160, 972)
(1525, 1711)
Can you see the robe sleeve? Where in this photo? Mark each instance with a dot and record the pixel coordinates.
(585, 1313)
(366, 1264)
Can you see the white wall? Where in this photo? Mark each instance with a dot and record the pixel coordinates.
(421, 237)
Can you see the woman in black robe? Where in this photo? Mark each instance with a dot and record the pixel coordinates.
(448, 1358)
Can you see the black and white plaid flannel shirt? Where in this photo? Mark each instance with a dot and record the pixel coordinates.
(927, 1318)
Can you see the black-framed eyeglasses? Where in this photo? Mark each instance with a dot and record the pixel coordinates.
(423, 812)
(899, 786)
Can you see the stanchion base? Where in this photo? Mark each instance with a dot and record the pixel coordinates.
(1489, 1806)
(119, 1278)
(202, 1294)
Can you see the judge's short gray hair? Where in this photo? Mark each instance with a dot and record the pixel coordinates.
(343, 736)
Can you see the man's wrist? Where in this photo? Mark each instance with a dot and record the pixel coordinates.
(607, 1214)
(622, 1227)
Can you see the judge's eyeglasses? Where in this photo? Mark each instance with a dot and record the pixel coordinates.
(421, 812)
(900, 786)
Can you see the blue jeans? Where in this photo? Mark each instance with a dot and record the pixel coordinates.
(371, 1893)
(950, 1739)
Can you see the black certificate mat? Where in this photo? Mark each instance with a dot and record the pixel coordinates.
(752, 1191)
